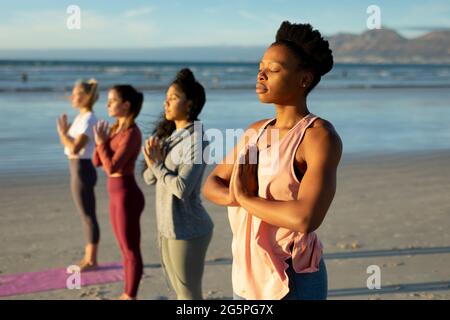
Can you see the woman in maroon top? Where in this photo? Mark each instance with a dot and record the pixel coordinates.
(117, 149)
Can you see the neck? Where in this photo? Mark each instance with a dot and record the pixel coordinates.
(84, 110)
(180, 124)
(122, 121)
(288, 115)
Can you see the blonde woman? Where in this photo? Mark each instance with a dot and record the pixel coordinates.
(79, 144)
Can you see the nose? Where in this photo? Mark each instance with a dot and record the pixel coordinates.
(262, 75)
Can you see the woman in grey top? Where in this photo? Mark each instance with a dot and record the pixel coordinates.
(175, 162)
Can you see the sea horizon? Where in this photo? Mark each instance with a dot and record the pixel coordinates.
(377, 109)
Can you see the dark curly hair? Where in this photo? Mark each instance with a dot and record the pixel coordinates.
(313, 51)
(195, 93)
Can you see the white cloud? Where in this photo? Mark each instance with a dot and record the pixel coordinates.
(139, 12)
(48, 30)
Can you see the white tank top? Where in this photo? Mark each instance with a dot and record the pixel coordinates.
(83, 124)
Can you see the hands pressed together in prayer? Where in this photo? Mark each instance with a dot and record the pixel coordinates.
(102, 132)
(246, 180)
(153, 151)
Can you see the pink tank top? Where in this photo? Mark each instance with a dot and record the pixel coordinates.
(260, 249)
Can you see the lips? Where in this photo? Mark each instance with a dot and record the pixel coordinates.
(260, 88)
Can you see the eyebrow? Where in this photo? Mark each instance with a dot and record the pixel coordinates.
(272, 61)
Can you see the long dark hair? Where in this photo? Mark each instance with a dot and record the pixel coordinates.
(195, 93)
(134, 97)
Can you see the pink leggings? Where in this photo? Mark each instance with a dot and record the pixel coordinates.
(126, 203)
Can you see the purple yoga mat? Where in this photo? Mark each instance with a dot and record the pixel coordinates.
(30, 282)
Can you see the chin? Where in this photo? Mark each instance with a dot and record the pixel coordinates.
(264, 99)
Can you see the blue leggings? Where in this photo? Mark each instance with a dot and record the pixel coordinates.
(304, 286)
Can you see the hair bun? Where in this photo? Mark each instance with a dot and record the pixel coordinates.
(323, 59)
(185, 75)
(310, 42)
(92, 81)
(140, 98)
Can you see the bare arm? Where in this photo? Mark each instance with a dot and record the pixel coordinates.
(318, 186)
(74, 145)
(216, 188)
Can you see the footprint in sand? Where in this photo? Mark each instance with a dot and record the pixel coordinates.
(392, 264)
(353, 245)
(91, 293)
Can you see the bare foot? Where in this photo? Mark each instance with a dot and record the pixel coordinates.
(87, 265)
(124, 296)
(89, 262)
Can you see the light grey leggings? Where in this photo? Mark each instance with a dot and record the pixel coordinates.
(83, 178)
(184, 261)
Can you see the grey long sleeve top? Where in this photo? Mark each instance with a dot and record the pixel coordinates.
(179, 211)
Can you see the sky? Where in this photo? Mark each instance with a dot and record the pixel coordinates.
(165, 23)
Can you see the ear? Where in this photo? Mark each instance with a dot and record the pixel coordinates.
(189, 105)
(127, 105)
(306, 79)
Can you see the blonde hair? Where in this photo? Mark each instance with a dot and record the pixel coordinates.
(90, 87)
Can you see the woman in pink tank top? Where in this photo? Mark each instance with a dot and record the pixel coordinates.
(280, 179)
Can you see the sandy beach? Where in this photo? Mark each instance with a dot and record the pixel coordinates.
(390, 210)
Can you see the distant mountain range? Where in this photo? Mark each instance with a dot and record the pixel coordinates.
(373, 46)
(387, 46)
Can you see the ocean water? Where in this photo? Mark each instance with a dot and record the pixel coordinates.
(375, 109)
(57, 76)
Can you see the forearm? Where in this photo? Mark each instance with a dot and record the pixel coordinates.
(67, 141)
(96, 159)
(292, 215)
(216, 191)
(105, 155)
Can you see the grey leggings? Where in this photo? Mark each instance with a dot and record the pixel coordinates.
(184, 261)
(83, 178)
